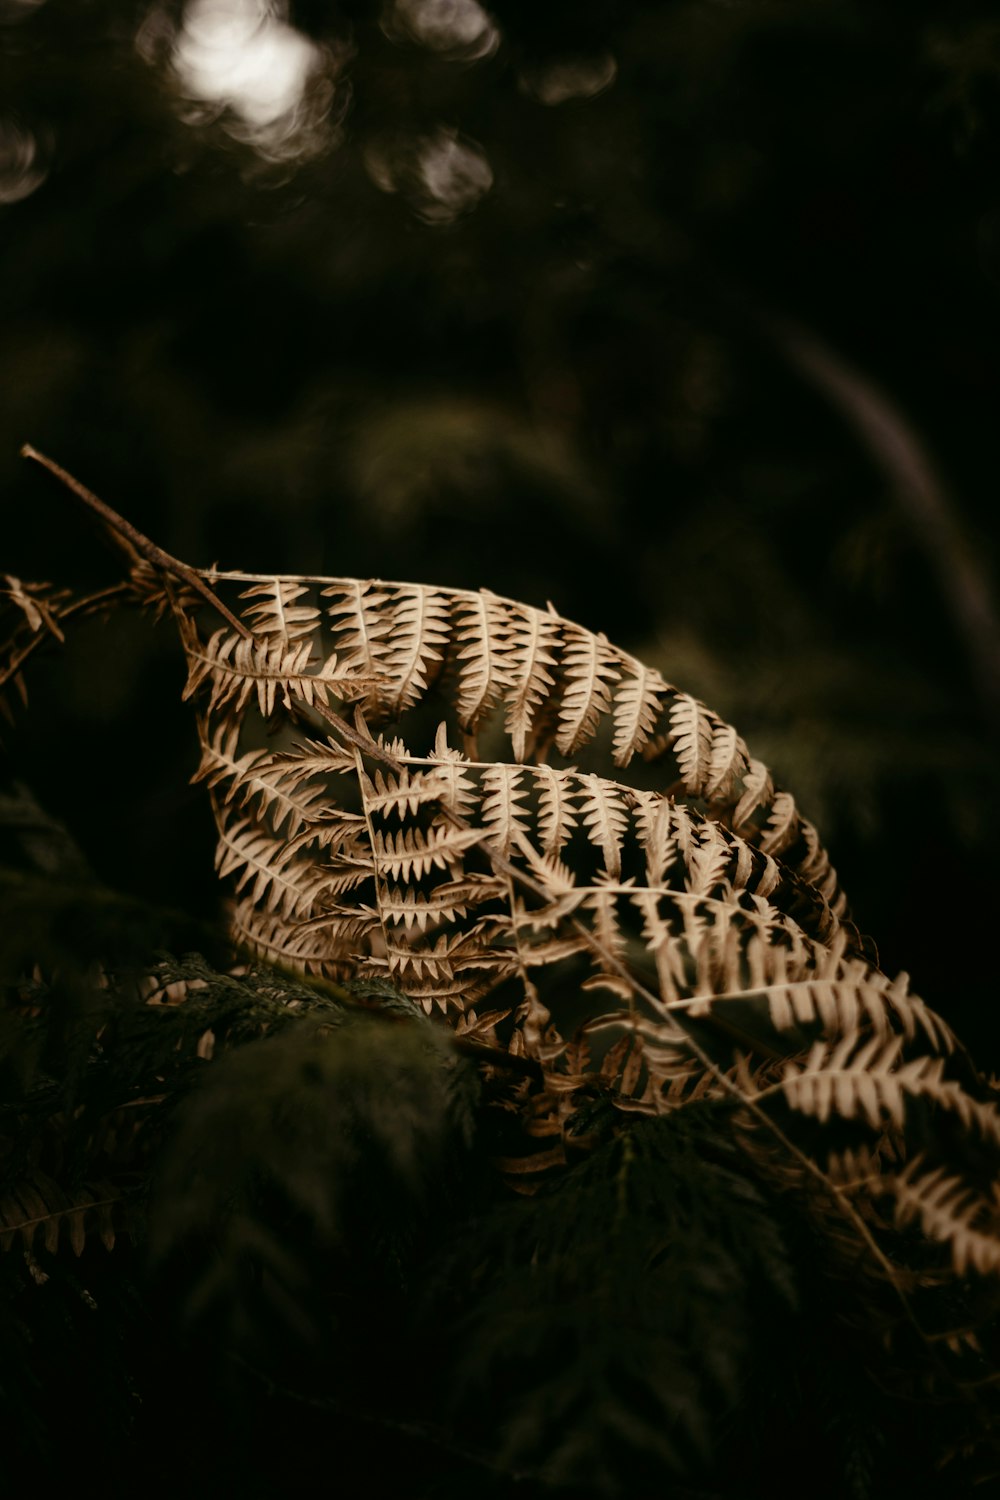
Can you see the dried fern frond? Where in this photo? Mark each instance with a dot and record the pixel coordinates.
(690, 941)
(871, 1082)
(952, 1212)
(39, 1207)
(455, 808)
(392, 641)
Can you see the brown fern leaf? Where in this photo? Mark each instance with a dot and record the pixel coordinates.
(637, 708)
(276, 612)
(555, 680)
(38, 1207)
(362, 626)
(268, 936)
(533, 646)
(664, 949)
(421, 629)
(872, 1082)
(952, 1212)
(693, 735)
(590, 667)
(605, 813)
(667, 908)
(269, 670)
(257, 778)
(455, 876)
(485, 672)
(277, 880)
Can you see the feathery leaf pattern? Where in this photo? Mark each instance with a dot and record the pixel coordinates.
(662, 948)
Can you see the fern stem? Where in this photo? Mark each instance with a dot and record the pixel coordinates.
(38, 637)
(135, 539)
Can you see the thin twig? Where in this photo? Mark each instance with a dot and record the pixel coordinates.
(136, 539)
(39, 637)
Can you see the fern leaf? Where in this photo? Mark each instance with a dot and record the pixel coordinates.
(728, 763)
(654, 821)
(362, 626)
(268, 935)
(413, 853)
(475, 1028)
(334, 833)
(556, 877)
(458, 789)
(446, 902)
(638, 701)
(236, 670)
(915, 1015)
(556, 812)
(709, 858)
(590, 668)
(854, 1168)
(505, 819)
(277, 880)
(38, 1205)
(532, 650)
(815, 866)
(452, 996)
(316, 758)
(661, 943)
(346, 872)
(602, 902)
(952, 1213)
(421, 627)
(758, 791)
(838, 1006)
(692, 731)
(256, 777)
(605, 817)
(442, 959)
(484, 673)
(276, 614)
(873, 1082)
(402, 794)
(782, 824)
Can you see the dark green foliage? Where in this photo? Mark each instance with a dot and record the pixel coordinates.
(297, 1175)
(332, 1263)
(609, 1323)
(329, 1279)
(75, 1332)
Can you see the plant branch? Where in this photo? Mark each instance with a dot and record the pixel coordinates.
(38, 637)
(135, 540)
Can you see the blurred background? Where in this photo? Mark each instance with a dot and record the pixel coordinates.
(682, 314)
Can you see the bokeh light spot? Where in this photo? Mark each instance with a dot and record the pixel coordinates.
(455, 173)
(237, 53)
(12, 11)
(457, 28)
(570, 78)
(442, 174)
(21, 167)
(241, 62)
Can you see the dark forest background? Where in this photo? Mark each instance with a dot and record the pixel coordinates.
(517, 297)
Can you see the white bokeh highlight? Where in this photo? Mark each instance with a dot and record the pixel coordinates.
(458, 28)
